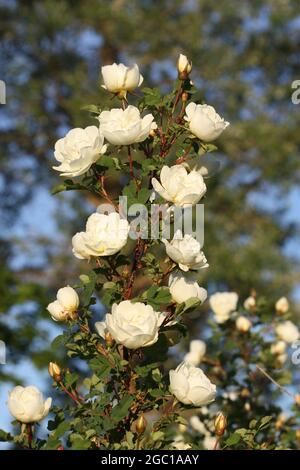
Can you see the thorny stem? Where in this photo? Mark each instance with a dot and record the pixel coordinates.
(71, 395)
(29, 432)
(105, 193)
(177, 98)
(284, 390)
(130, 162)
(184, 156)
(216, 443)
(138, 254)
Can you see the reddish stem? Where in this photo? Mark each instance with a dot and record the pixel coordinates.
(71, 395)
(216, 443)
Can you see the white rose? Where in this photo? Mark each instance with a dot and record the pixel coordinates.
(78, 150)
(233, 396)
(179, 443)
(197, 425)
(183, 288)
(125, 127)
(250, 303)
(180, 187)
(191, 386)
(27, 404)
(66, 304)
(278, 348)
(204, 122)
(196, 353)
(223, 304)
(282, 358)
(105, 235)
(209, 443)
(186, 252)
(287, 331)
(282, 305)
(243, 324)
(184, 66)
(199, 346)
(119, 78)
(135, 325)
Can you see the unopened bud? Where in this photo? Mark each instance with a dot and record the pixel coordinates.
(109, 339)
(141, 424)
(297, 399)
(243, 324)
(247, 407)
(220, 424)
(245, 393)
(55, 371)
(125, 271)
(282, 306)
(280, 422)
(152, 133)
(96, 441)
(184, 67)
(250, 303)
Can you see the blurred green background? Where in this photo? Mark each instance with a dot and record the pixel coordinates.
(245, 57)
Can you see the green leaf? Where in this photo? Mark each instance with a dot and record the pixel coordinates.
(81, 444)
(121, 410)
(91, 108)
(61, 429)
(59, 341)
(156, 375)
(52, 444)
(189, 305)
(157, 436)
(58, 189)
(157, 296)
(89, 288)
(5, 436)
(233, 439)
(84, 278)
(253, 424)
(152, 97)
(100, 366)
(106, 161)
(71, 380)
(143, 195)
(264, 422)
(67, 185)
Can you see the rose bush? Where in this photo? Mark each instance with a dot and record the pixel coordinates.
(116, 393)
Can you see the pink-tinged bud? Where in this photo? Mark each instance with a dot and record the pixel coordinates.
(141, 424)
(55, 371)
(220, 424)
